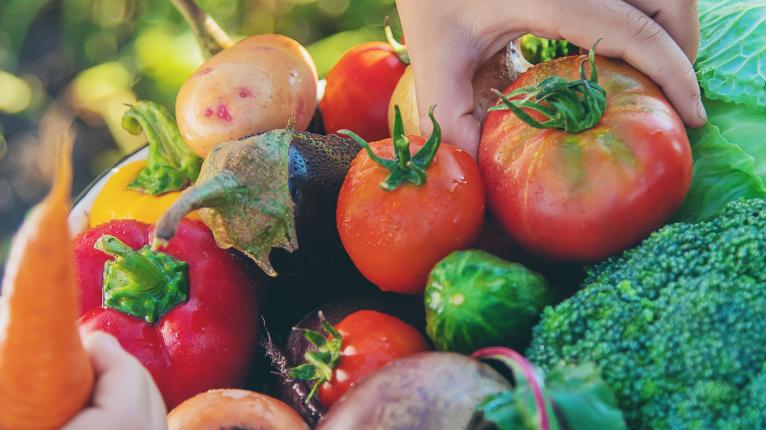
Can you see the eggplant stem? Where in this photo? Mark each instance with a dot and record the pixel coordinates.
(215, 190)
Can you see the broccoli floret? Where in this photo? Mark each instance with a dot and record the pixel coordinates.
(677, 324)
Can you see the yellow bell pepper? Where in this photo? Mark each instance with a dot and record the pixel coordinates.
(143, 190)
(117, 201)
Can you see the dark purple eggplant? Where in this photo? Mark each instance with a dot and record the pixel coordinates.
(294, 392)
(426, 391)
(273, 197)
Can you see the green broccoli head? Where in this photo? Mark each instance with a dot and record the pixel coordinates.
(677, 324)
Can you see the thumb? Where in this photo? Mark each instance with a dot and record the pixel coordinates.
(443, 75)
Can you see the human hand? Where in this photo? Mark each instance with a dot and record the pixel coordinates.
(125, 396)
(448, 40)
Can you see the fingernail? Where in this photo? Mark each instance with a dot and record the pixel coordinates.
(701, 110)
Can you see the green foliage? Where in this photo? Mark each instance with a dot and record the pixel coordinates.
(730, 152)
(580, 397)
(731, 64)
(474, 299)
(675, 324)
(723, 172)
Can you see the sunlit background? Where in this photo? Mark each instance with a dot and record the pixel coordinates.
(97, 55)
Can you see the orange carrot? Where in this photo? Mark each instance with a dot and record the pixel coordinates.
(45, 374)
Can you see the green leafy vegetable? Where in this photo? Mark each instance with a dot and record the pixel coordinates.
(723, 172)
(731, 64)
(575, 398)
(474, 299)
(744, 127)
(729, 152)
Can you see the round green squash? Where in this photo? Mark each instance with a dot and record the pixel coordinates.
(474, 300)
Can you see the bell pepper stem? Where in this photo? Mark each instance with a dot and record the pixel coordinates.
(145, 284)
(210, 36)
(170, 164)
(218, 189)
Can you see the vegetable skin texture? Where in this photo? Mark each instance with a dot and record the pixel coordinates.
(257, 85)
(584, 197)
(234, 409)
(117, 201)
(475, 300)
(425, 391)
(45, 374)
(675, 324)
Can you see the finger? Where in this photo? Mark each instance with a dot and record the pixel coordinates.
(444, 81)
(629, 34)
(678, 17)
(124, 388)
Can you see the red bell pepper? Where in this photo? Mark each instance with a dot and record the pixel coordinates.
(188, 312)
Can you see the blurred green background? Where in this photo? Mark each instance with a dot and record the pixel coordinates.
(97, 55)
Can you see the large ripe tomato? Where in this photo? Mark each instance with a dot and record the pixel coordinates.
(588, 195)
(395, 237)
(359, 88)
(369, 341)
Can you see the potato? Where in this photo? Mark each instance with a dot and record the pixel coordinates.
(256, 85)
(426, 391)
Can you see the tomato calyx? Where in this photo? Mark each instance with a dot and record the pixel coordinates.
(572, 106)
(321, 361)
(404, 168)
(399, 49)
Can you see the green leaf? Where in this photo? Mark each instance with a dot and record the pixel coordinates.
(744, 127)
(722, 172)
(581, 399)
(731, 64)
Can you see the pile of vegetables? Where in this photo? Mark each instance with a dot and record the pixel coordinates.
(283, 262)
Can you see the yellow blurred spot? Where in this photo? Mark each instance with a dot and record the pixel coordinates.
(100, 94)
(15, 95)
(333, 7)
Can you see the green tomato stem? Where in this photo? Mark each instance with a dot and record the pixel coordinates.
(572, 106)
(404, 168)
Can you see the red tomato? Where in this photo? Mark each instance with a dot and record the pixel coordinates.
(583, 197)
(359, 88)
(396, 237)
(370, 340)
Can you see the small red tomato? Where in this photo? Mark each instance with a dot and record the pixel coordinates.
(360, 344)
(613, 168)
(398, 217)
(359, 88)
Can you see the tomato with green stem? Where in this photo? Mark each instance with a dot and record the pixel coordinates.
(360, 85)
(581, 167)
(360, 344)
(397, 217)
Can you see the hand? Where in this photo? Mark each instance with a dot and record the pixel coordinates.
(125, 397)
(448, 39)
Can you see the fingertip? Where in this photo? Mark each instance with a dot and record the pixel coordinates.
(104, 350)
(463, 132)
